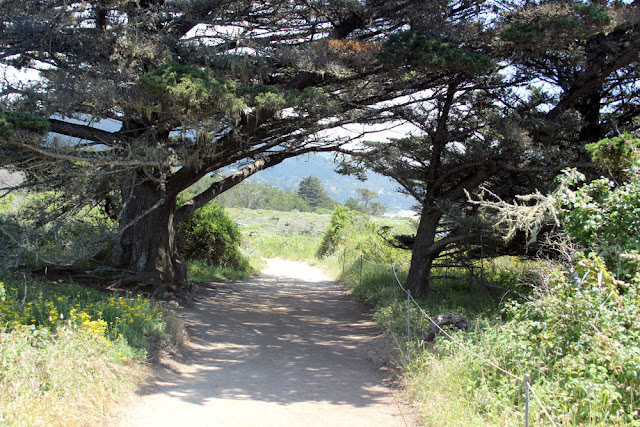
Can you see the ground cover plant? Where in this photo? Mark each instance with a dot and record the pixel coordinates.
(70, 353)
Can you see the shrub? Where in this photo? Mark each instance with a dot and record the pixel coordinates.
(210, 235)
(341, 219)
(603, 217)
(579, 343)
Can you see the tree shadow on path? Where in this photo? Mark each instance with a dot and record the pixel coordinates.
(278, 340)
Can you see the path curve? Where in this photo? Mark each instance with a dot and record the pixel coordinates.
(286, 348)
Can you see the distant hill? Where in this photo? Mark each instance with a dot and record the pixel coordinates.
(289, 173)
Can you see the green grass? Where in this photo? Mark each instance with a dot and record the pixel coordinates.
(68, 352)
(439, 387)
(286, 223)
(61, 378)
(200, 271)
(275, 245)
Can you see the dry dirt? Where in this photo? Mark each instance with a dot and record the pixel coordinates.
(286, 348)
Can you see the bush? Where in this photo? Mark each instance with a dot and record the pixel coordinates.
(579, 343)
(209, 235)
(603, 217)
(341, 219)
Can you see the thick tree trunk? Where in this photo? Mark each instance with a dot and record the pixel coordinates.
(424, 253)
(146, 244)
(589, 108)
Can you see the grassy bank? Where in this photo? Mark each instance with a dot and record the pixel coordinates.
(68, 354)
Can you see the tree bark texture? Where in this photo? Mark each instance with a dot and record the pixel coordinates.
(146, 244)
(424, 253)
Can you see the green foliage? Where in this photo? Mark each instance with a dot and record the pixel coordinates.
(602, 217)
(593, 14)
(209, 235)
(341, 220)
(193, 94)
(297, 247)
(312, 100)
(365, 205)
(311, 191)
(270, 101)
(580, 345)
(9, 122)
(415, 49)
(190, 91)
(252, 195)
(354, 205)
(201, 271)
(67, 351)
(581, 18)
(526, 32)
(616, 154)
(580, 340)
(73, 238)
(134, 321)
(47, 377)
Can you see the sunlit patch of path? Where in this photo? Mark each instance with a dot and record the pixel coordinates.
(287, 348)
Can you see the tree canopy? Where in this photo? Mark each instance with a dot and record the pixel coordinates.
(193, 87)
(137, 101)
(311, 190)
(564, 75)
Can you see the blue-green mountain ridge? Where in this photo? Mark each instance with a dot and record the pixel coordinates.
(288, 174)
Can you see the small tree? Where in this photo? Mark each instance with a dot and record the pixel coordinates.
(310, 189)
(365, 205)
(366, 196)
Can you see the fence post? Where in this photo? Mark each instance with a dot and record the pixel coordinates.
(408, 316)
(393, 283)
(481, 259)
(361, 259)
(344, 260)
(527, 381)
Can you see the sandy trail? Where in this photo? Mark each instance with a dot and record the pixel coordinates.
(287, 348)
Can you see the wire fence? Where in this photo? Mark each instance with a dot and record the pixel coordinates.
(399, 288)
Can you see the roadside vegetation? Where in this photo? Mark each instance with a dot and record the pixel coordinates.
(69, 353)
(570, 321)
(72, 353)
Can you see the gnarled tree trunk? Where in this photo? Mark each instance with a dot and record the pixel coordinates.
(424, 252)
(146, 245)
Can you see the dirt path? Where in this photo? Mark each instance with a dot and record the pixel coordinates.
(287, 348)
